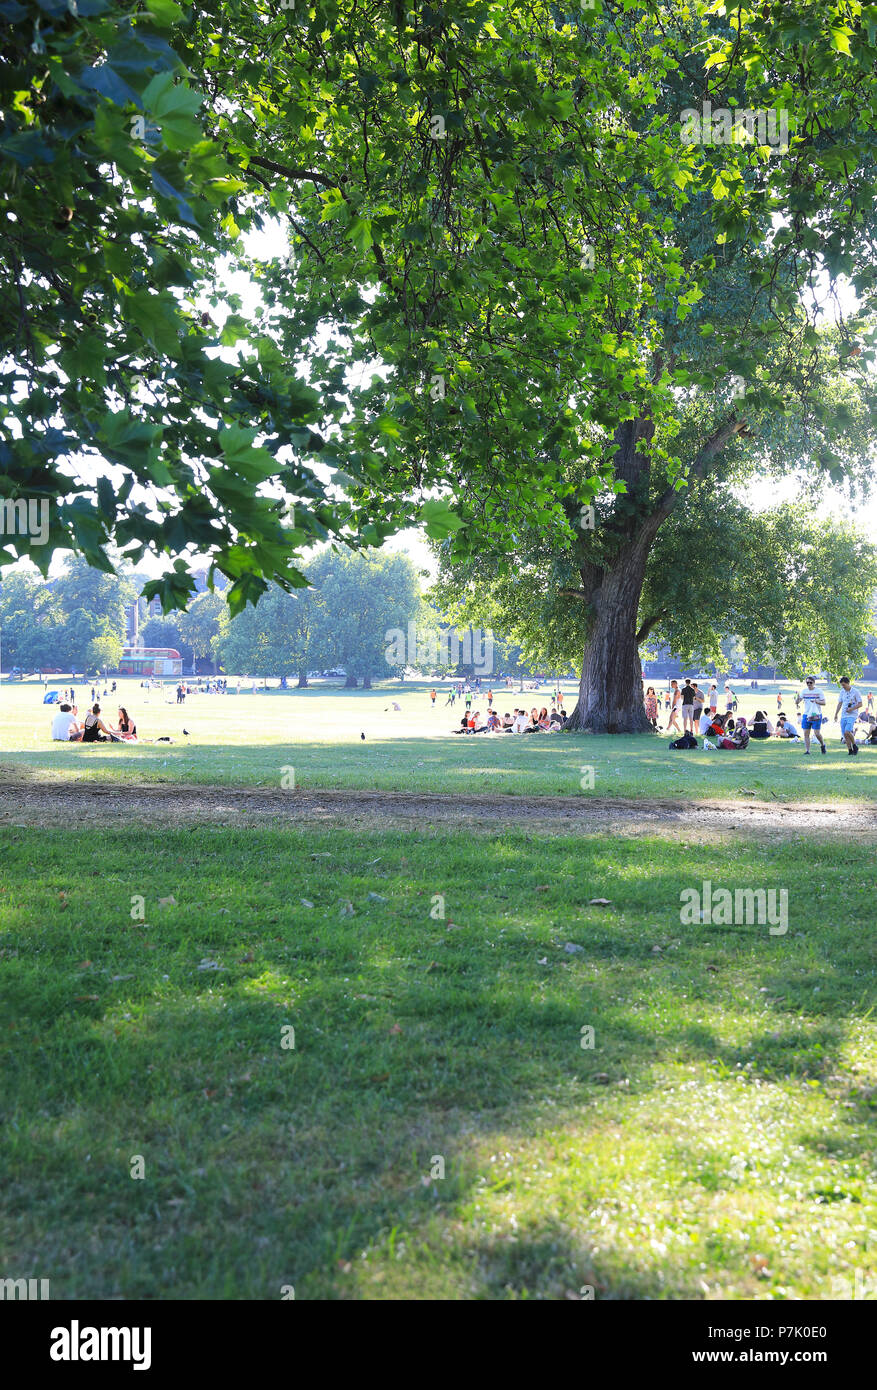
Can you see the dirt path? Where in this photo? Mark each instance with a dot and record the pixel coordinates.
(74, 802)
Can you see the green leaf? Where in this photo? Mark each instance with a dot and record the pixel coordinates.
(166, 13)
(360, 233)
(439, 520)
(165, 97)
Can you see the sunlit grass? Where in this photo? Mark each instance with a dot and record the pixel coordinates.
(254, 740)
(713, 1143)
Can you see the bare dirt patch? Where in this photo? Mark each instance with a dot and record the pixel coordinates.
(35, 803)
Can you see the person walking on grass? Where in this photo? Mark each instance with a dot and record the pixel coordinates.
(432, 698)
(675, 706)
(849, 702)
(652, 707)
(811, 721)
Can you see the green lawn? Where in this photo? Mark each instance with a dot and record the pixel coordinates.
(252, 740)
(712, 1144)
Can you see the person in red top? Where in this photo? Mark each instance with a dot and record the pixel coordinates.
(432, 696)
(490, 699)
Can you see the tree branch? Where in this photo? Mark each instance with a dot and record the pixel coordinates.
(292, 171)
(650, 623)
(714, 445)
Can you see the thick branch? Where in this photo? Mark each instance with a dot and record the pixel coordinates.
(649, 624)
(291, 171)
(714, 445)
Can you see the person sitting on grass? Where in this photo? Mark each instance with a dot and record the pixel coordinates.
(94, 730)
(761, 725)
(65, 729)
(519, 726)
(126, 728)
(733, 737)
(868, 731)
(716, 727)
(543, 720)
(741, 733)
(464, 726)
(786, 728)
(507, 722)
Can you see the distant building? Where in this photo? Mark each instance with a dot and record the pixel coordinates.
(150, 661)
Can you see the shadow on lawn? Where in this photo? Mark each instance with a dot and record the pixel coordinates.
(268, 1165)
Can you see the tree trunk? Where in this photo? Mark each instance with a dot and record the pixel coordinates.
(302, 681)
(611, 690)
(350, 683)
(366, 682)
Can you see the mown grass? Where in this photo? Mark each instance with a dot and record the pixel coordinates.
(254, 740)
(712, 1144)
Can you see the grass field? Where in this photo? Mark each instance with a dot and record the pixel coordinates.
(254, 739)
(711, 1138)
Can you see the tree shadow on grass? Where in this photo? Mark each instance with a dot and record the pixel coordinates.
(267, 1165)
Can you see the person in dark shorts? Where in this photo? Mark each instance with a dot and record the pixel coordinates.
(688, 707)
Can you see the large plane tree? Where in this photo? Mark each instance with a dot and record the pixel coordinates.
(521, 280)
(552, 276)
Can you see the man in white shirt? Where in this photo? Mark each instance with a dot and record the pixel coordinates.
(811, 721)
(520, 723)
(849, 701)
(64, 727)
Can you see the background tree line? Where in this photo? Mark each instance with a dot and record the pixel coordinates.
(79, 621)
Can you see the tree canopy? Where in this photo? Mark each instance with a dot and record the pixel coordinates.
(344, 620)
(541, 258)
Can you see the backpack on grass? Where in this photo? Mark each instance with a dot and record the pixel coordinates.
(686, 741)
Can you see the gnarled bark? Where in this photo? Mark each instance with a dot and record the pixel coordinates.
(610, 690)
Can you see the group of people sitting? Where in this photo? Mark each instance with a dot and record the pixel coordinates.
(536, 722)
(66, 727)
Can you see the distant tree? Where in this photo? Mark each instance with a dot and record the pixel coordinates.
(276, 638)
(201, 626)
(364, 599)
(30, 622)
(103, 653)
